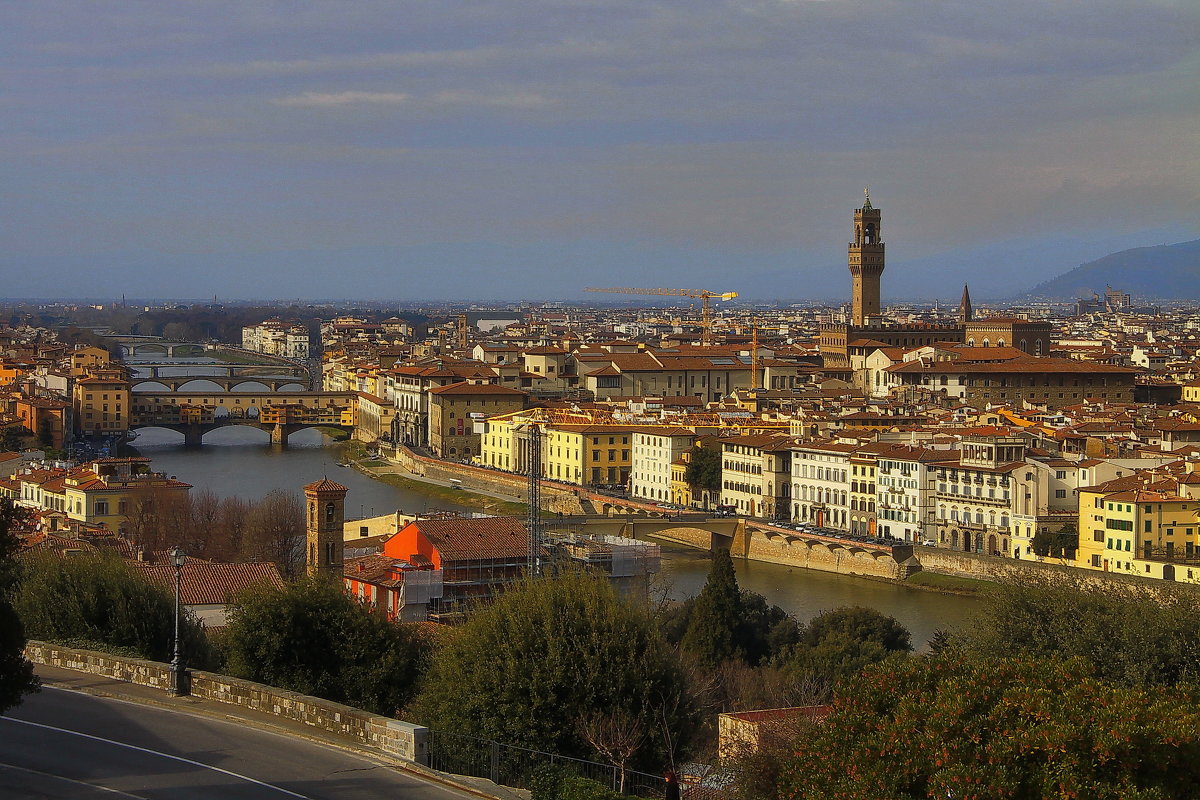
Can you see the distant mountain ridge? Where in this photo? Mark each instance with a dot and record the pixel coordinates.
(1165, 272)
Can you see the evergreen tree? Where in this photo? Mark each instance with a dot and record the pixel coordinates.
(716, 614)
(16, 673)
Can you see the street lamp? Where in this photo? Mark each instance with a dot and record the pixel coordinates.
(178, 679)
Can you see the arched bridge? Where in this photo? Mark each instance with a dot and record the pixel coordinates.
(196, 413)
(141, 345)
(177, 383)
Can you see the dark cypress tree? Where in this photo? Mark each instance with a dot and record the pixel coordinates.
(712, 630)
(16, 673)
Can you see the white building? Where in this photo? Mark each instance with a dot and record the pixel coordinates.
(654, 450)
(820, 484)
(276, 338)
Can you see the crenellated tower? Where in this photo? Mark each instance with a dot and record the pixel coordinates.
(865, 262)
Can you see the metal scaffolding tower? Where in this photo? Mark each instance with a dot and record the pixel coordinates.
(535, 500)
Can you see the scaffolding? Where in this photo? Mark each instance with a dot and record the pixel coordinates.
(535, 500)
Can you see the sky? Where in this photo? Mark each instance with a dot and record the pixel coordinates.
(526, 149)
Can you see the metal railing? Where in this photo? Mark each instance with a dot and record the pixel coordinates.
(508, 765)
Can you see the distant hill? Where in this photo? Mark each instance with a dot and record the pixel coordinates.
(1166, 272)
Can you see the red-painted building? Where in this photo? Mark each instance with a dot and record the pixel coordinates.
(435, 567)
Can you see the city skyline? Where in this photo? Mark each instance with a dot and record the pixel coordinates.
(510, 151)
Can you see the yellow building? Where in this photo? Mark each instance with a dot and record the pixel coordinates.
(108, 491)
(454, 410)
(86, 358)
(101, 403)
(1151, 530)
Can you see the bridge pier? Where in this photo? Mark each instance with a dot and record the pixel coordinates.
(193, 435)
(279, 434)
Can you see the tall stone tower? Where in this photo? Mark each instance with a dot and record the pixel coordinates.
(866, 263)
(965, 312)
(326, 504)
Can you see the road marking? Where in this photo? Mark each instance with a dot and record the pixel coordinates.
(181, 759)
(41, 774)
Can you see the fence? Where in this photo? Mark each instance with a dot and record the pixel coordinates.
(508, 765)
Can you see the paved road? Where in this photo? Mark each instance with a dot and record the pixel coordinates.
(65, 744)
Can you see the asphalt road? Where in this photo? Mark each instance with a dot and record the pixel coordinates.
(69, 745)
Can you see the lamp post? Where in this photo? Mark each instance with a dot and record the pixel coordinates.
(178, 680)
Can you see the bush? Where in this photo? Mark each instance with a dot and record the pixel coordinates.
(102, 603)
(310, 637)
(533, 665)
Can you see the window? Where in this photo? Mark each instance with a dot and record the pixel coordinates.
(1060, 493)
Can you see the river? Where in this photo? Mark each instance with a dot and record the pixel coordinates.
(239, 461)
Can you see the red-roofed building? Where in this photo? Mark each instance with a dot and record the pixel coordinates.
(454, 410)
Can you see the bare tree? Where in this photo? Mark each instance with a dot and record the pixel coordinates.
(616, 735)
(275, 531)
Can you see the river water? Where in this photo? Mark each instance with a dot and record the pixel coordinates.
(240, 461)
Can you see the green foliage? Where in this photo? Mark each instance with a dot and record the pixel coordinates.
(712, 629)
(858, 624)
(545, 781)
(704, 468)
(101, 602)
(547, 653)
(13, 437)
(1062, 544)
(840, 643)
(973, 728)
(16, 673)
(724, 622)
(1130, 636)
(312, 638)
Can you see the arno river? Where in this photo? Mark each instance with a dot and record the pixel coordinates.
(237, 461)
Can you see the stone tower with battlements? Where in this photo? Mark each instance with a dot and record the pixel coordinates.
(325, 503)
(866, 263)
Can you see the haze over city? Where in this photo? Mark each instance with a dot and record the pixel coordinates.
(525, 150)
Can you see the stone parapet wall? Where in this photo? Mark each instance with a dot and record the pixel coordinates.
(389, 736)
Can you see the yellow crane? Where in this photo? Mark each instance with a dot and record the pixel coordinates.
(704, 295)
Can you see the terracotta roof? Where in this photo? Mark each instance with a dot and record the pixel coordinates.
(465, 388)
(325, 485)
(203, 583)
(466, 539)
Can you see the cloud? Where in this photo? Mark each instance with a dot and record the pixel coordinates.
(337, 99)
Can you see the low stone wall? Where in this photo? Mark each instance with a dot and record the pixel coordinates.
(997, 568)
(555, 498)
(389, 736)
(814, 554)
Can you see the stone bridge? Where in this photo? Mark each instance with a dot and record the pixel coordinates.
(193, 432)
(252, 409)
(177, 383)
(134, 345)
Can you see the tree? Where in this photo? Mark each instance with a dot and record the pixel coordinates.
(1131, 635)
(704, 468)
(1062, 544)
(100, 602)
(16, 673)
(615, 735)
(551, 652)
(13, 437)
(955, 725)
(275, 532)
(312, 638)
(840, 643)
(715, 615)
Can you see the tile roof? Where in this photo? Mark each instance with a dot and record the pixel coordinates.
(485, 538)
(203, 583)
(325, 485)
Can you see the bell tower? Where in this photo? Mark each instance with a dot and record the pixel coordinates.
(325, 503)
(865, 262)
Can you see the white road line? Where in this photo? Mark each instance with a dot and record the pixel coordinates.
(181, 759)
(41, 774)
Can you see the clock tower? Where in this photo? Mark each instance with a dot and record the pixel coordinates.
(866, 263)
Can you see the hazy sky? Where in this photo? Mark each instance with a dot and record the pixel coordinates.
(519, 148)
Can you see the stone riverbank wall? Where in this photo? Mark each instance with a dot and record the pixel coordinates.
(383, 734)
(996, 568)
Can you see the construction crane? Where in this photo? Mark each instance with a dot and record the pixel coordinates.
(704, 295)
